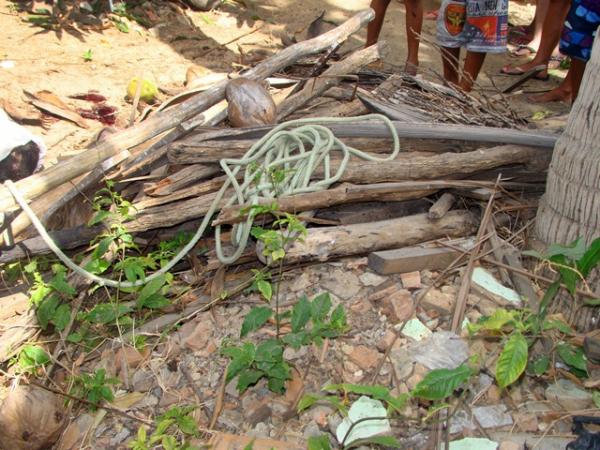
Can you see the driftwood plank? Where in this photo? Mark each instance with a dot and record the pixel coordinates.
(37, 184)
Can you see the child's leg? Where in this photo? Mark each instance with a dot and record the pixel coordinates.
(450, 63)
(473, 63)
(576, 71)
(374, 27)
(414, 23)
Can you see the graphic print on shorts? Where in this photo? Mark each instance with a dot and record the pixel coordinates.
(454, 18)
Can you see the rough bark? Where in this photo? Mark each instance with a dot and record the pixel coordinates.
(323, 244)
(570, 207)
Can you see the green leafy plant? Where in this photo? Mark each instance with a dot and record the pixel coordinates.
(310, 321)
(31, 358)
(51, 298)
(95, 388)
(88, 55)
(173, 430)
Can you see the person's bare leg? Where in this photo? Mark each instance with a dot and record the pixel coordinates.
(473, 63)
(555, 18)
(450, 62)
(374, 27)
(414, 23)
(576, 70)
(562, 93)
(541, 11)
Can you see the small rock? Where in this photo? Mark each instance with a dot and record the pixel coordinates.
(442, 350)
(363, 356)
(416, 330)
(320, 415)
(342, 283)
(459, 422)
(290, 354)
(231, 389)
(261, 430)
(357, 263)
(371, 279)
(133, 358)
(398, 306)
(528, 423)
(119, 437)
(439, 301)
(419, 373)
(493, 394)
(493, 416)
(383, 293)
(568, 395)
(386, 340)
(197, 336)
(311, 430)
(509, 445)
(333, 422)
(231, 420)
(411, 280)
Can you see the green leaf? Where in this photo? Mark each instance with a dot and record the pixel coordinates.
(300, 314)
(276, 385)
(187, 425)
(278, 254)
(320, 307)
(592, 302)
(297, 340)
(572, 356)
(46, 310)
(248, 378)
(75, 337)
(319, 443)
(397, 403)
(441, 383)
(540, 365)
(98, 217)
(384, 441)
(269, 351)
(265, 288)
(338, 318)
(512, 360)
(32, 356)
(337, 403)
(59, 282)
(61, 317)
(250, 445)
(574, 251)
(556, 324)
(155, 301)
(377, 392)
(596, 398)
(255, 319)
(241, 358)
(307, 401)
(548, 297)
(151, 288)
(106, 313)
(498, 320)
(590, 258)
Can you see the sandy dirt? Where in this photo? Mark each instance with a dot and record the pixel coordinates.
(36, 59)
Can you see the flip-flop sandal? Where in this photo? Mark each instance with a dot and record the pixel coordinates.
(525, 77)
(523, 50)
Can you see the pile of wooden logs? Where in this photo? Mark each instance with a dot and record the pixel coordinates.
(167, 164)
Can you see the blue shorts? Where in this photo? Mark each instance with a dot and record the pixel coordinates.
(477, 25)
(580, 28)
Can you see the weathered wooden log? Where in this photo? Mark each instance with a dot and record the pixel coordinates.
(441, 206)
(332, 76)
(37, 184)
(349, 193)
(323, 244)
(183, 178)
(452, 165)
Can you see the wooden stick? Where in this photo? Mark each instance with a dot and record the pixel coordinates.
(441, 206)
(37, 184)
(331, 77)
(463, 292)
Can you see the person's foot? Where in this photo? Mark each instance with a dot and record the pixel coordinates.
(559, 94)
(540, 74)
(411, 68)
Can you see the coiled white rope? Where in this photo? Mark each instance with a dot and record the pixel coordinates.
(294, 153)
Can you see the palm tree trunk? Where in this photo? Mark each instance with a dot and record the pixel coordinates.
(570, 207)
